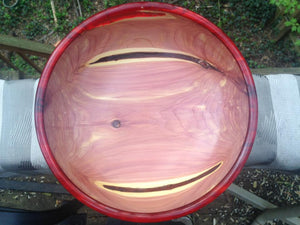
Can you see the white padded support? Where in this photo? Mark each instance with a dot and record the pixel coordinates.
(286, 105)
(276, 146)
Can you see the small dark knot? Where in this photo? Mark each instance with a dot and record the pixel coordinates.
(204, 64)
(116, 123)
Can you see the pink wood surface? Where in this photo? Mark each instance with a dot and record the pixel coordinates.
(146, 114)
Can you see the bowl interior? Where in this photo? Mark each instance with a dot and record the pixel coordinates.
(147, 113)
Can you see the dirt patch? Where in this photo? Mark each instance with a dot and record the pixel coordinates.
(276, 187)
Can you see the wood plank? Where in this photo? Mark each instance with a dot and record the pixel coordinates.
(25, 46)
(31, 186)
(250, 198)
(9, 63)
(30, 62)
(277, 70)
(280, 30)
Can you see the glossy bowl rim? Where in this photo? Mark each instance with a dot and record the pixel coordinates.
(105, 17)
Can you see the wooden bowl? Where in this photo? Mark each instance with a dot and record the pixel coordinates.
(146, 112)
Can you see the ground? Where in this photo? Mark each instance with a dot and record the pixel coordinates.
(279, 188)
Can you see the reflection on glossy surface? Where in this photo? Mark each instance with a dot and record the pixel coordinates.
(146, 114)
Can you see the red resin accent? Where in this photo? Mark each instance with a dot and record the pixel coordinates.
(178, 130)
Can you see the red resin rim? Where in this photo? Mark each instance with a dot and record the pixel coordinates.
(118, 13)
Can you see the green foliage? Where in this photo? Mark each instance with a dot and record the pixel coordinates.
(19, 62)
(29, 14)
(88, 6)
(290, 7)
(254, 12)
(234, 13)
(37, 17)
(243, 21)
(293, 23)
(111, 3)
(34, 20)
